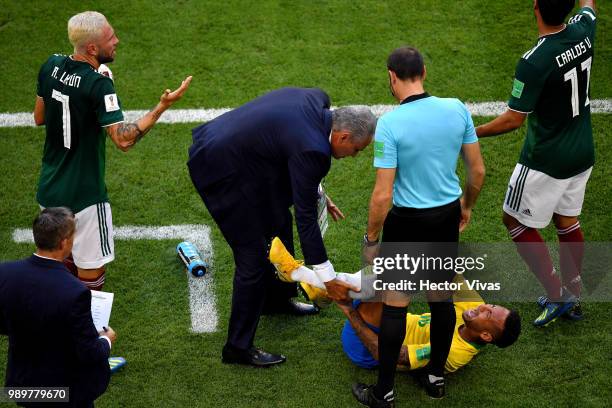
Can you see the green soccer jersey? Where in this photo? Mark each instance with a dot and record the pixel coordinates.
(552, 85)
(79, 102)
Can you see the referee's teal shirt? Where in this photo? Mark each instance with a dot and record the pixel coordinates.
(422, 139)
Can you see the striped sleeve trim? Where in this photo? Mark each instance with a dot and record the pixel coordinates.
(531, 51)
(516, 110)
(588, 13)
(114, 123)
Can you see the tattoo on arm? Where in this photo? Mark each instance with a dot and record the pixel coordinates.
(156, 114)
(129, 131)
(365, 334)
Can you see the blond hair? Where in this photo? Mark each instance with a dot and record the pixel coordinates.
(84, 27)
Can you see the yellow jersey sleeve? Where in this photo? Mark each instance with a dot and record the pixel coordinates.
(418, 354)
(461, 353)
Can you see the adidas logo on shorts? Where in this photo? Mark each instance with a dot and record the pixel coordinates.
(526, 212)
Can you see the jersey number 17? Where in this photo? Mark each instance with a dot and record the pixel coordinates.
(572, 75)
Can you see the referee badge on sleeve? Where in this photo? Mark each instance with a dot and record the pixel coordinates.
(111, 103)
(379, 149)
(517, 88)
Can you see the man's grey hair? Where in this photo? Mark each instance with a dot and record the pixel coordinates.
(85, 27)
(358, 120)
(51, 226)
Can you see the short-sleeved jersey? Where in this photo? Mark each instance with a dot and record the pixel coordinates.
(79, 102)
(417, 339)
(552, 85)
(422, 139)
(419, 347)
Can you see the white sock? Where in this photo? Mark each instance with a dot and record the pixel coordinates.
(307, 275)
(353, 279)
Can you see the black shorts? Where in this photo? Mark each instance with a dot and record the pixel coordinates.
(424, 242)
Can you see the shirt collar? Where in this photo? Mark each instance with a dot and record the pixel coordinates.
(416, 97)
(44, 257)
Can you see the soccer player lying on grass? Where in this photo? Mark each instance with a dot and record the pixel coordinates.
(477, 324)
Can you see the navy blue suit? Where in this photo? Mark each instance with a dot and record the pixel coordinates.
(250, 166)
(46, 313)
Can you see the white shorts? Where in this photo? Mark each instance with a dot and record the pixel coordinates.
(93, 240)
(533, 197)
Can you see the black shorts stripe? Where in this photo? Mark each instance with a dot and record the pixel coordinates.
(106, 243)
(522, 188)
(100, 231)
(516, 188)
(509, 195)
(514, 203)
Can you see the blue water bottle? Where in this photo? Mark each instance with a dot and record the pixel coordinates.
(190, 256)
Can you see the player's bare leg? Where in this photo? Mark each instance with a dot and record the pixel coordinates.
(93, 278)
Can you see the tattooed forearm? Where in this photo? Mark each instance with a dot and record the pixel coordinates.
(156, 113)
(365, 334)
(128, 132)
(126, 135)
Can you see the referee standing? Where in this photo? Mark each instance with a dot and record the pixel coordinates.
(415, 152)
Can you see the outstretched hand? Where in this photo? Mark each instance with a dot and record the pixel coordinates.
(337, 290)
(169, 97)
(333, 210)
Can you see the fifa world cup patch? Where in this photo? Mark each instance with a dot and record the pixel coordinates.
(379, 149)
(111, 103)
(517, 88)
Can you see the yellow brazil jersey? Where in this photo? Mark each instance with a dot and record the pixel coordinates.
(417, 340)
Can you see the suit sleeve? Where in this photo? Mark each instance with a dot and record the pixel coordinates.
(89, 347)
(306, 171)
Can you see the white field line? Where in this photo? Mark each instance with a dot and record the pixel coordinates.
(25, 119)
(202, 301)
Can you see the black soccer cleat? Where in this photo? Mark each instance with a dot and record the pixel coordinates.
(434, 386)
(365, 395)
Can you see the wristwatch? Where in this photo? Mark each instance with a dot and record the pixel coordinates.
(367, 242)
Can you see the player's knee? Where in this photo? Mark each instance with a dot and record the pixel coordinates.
(91, 273)
(561, 221)
(509, 221)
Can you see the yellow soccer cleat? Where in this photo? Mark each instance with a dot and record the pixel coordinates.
(316, 295)
(282, 260)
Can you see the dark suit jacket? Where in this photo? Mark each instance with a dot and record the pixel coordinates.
(252, 163)
(46, 313)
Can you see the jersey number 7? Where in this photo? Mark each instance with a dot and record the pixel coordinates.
(64, 100)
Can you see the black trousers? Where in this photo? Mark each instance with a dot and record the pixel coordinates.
(256, 286)
(248, 234)
(433, 232)
(438, 224)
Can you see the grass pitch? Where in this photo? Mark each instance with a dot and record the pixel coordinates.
(239, 50)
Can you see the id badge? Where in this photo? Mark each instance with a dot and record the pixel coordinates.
(322, 211)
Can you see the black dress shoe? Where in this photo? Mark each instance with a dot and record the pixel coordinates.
(253, 356)
(292, 307)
